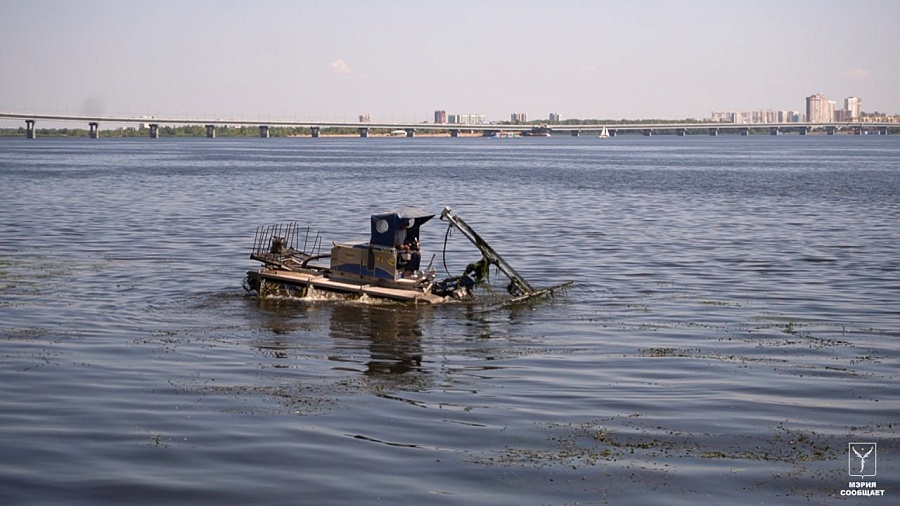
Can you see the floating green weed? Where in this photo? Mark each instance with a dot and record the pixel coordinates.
(719, 303)
(591, 442)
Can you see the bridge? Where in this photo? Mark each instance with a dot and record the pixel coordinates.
(646, 129)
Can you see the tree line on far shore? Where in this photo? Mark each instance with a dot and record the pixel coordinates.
(174, 131)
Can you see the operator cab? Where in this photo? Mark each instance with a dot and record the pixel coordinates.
(378, 260)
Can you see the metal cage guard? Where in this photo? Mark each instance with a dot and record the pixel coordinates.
(275, 243)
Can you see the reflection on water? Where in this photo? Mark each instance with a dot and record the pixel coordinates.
(392, 335)
(389, 333)
(384, 337)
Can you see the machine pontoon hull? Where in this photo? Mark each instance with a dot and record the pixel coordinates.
(269, 282)
(378, 269)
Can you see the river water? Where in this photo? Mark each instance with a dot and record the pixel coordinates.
(733, 327)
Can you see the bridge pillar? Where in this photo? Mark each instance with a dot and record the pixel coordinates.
(410, 132)
(857, 130)
(830, 130)
(454, 132)
(774, 131)
(363, 132)
(680, 132)
(713, 132)
(576, 133)
(648, 132)
(264, 131)
(94, 129)
(314, 131)
(154, 130)
(613, 132)
(745, 131)
(29, 129)
(210, 131)
(882, 130)
(804, 130)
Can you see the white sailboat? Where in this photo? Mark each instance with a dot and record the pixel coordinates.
(604, 134)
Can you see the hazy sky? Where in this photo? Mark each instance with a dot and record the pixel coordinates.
(401, 60)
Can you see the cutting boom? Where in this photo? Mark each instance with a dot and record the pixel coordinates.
(518, 281)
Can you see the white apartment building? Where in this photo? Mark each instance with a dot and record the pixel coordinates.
(853, 106)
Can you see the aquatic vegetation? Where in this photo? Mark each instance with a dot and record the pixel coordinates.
(719, 303)
(620, 438)
(668, 352)
(156, 438)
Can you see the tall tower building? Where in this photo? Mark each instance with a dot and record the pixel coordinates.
(440, 117)
(853, 105)
(819, 109)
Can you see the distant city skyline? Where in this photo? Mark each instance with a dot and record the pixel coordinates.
(402, 60)
(819, 109)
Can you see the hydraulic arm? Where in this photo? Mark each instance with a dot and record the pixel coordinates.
(518, 282)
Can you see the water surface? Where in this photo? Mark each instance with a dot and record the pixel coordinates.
(733, 327)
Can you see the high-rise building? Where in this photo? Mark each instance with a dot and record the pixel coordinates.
(554, 117)
(789, 117)
(518, 117)
(467, 119)
(365, 118)
(440, 116)
(819, 109)
(853, 106)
